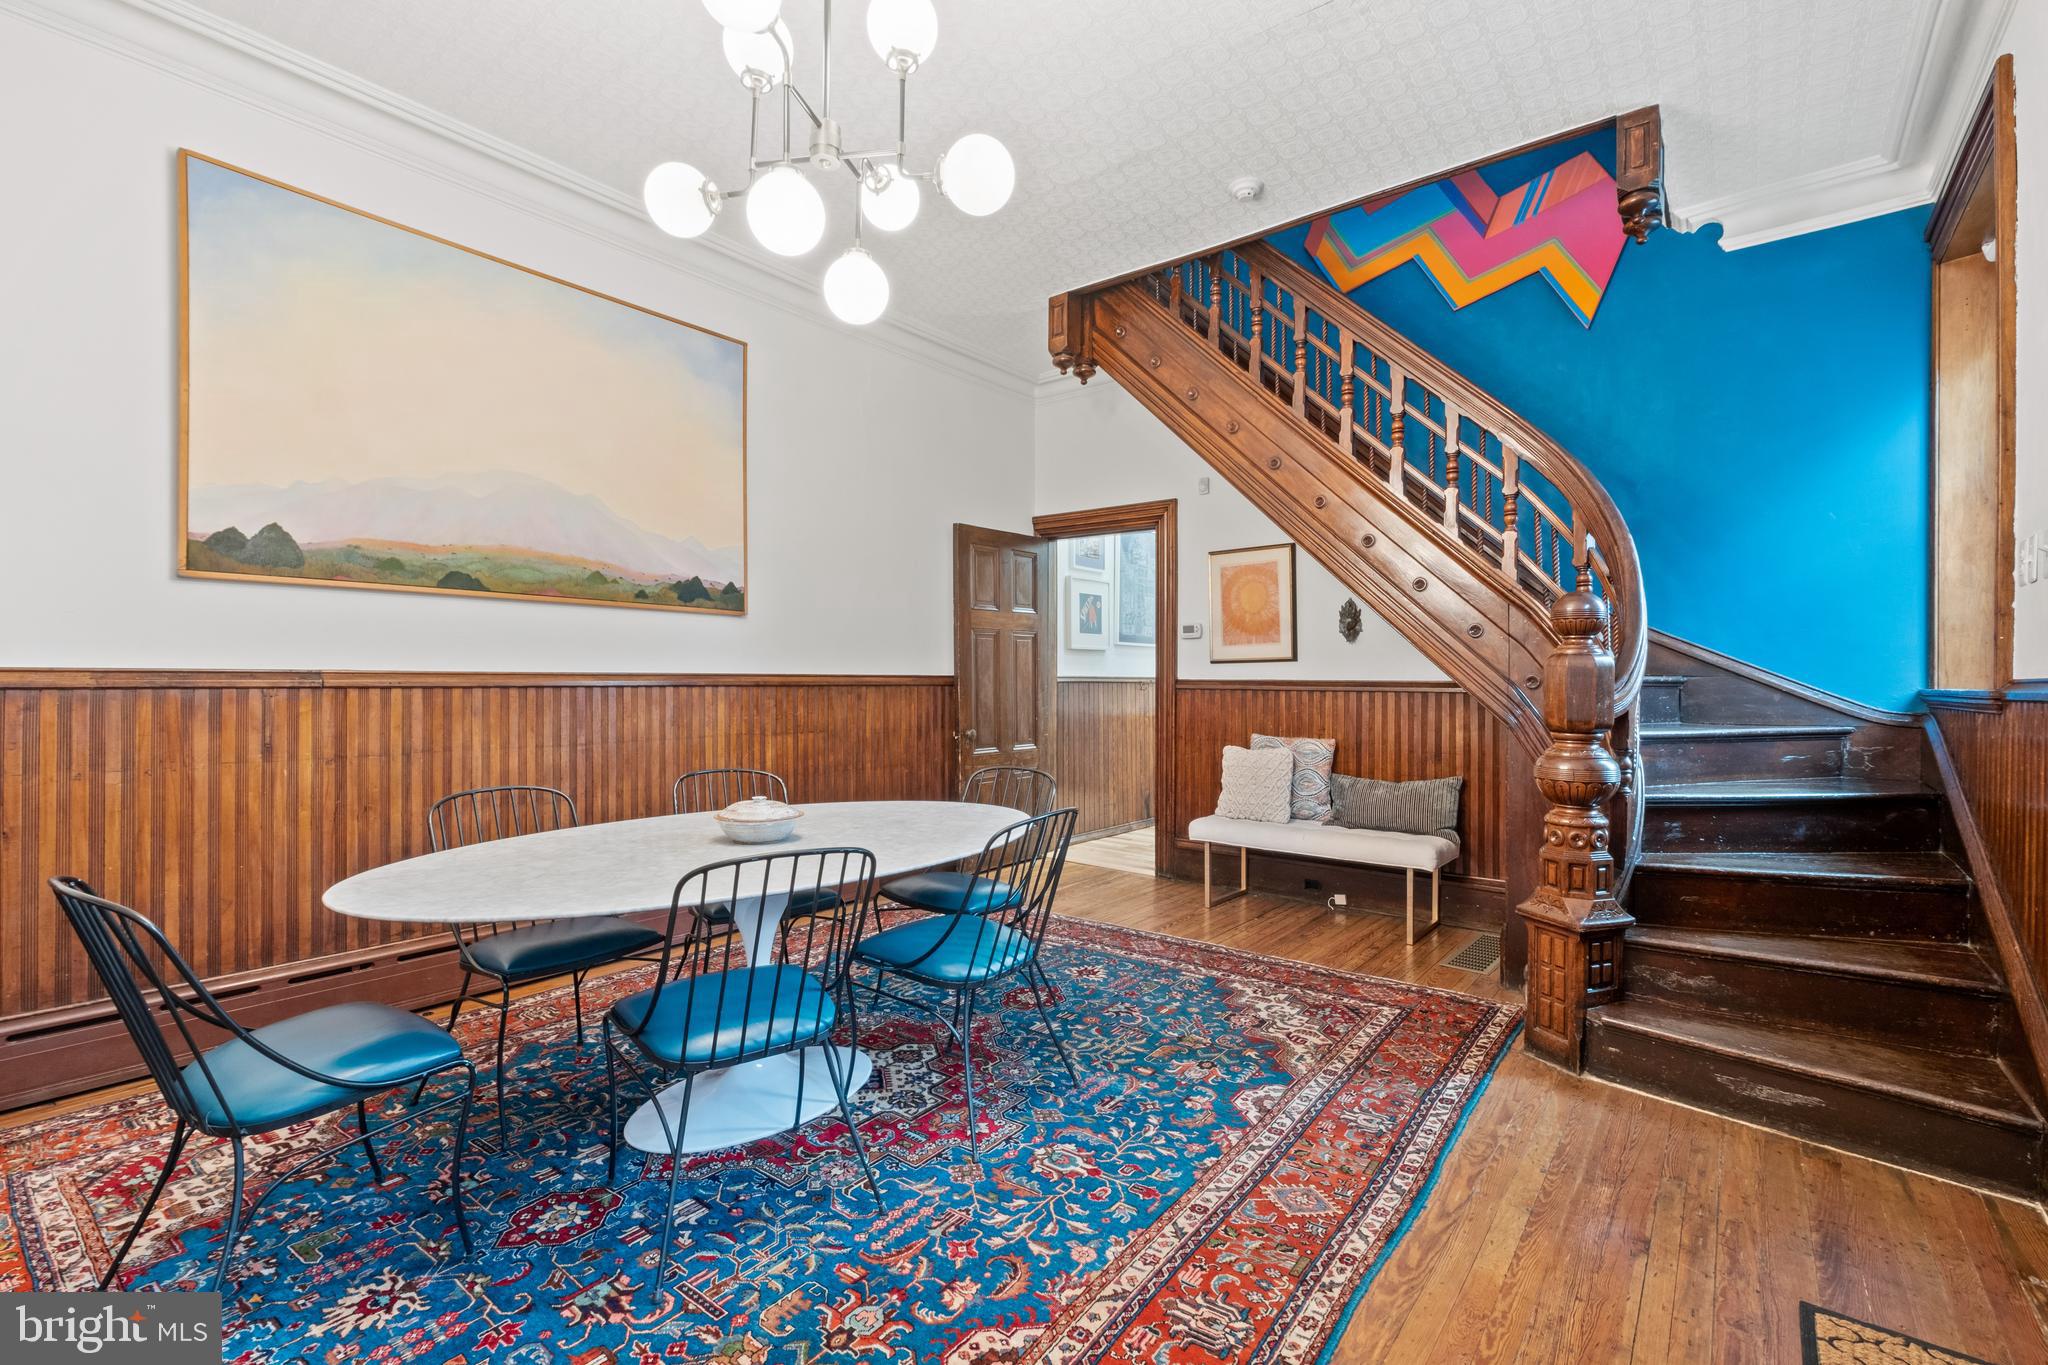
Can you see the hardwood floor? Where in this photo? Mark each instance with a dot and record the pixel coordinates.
(1575, 1221)
(1578, 1222)
(1131, 851)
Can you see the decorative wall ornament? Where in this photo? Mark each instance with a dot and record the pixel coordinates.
(1087, 612)
(1350, 620)
(1564, 226)
(369, 406)
(1251, 605)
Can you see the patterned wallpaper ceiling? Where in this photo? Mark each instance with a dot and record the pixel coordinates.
(1128, 118)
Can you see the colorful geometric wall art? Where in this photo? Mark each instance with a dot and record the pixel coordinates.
(1563, 226)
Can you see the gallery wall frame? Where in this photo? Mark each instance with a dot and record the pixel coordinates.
(1137, 583)
(720, 588)
(1087, 612)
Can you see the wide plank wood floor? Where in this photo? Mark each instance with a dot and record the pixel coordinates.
(1578, 1222)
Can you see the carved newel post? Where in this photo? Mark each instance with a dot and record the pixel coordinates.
(1574, 922)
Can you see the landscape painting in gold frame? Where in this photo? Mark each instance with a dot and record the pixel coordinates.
(366, 405)
(1251, 605)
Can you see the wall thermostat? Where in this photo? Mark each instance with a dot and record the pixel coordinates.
(1191, 630)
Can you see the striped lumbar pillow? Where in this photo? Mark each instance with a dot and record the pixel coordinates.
(1309, 787)
(1429, 806)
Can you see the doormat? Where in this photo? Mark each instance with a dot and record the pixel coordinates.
(1830, 1338)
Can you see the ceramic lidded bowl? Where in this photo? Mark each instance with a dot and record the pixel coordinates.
(758, 820)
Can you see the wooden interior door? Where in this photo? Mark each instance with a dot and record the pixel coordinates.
(1005, 650)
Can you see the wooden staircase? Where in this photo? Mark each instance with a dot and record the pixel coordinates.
(1743, 894)
(1808, 951)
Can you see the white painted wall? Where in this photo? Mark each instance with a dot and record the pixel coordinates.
(2027, 39)
(865, 447)
(1096, 447)
(1119, 660)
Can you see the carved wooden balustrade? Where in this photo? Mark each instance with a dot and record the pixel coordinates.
(1463, 524)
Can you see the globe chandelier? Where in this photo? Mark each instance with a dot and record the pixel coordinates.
(784, 208)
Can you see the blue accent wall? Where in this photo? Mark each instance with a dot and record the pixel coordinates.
(1759, 416)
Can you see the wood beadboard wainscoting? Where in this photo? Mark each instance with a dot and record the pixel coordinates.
(223, 804)
(1999, 746)
(1396, 731)
(1103, 757)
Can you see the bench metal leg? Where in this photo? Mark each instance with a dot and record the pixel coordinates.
(1435, 902)
(1209, 897)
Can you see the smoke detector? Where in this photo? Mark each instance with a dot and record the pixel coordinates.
(1246, 188)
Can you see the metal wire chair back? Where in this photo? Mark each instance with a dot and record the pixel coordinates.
(713, 789)
(1027, 789)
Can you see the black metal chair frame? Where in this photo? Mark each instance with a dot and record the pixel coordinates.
(1028, 856)
(122, 943)
(499, 813)
(825, 954)
(1031, 790)
(712, 789)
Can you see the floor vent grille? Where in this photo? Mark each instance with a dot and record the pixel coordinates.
(1482, 954)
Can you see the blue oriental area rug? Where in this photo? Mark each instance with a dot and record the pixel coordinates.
(1248, 1139)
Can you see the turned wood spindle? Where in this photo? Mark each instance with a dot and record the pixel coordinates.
(1452, 493)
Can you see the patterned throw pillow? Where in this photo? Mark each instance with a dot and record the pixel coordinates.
(1429, 806)
(1311, 781)
(1255, 784)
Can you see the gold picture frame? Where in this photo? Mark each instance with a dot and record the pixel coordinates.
(1252, 605)
(668, 405)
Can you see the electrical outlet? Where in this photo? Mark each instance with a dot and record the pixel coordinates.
(1338, 900)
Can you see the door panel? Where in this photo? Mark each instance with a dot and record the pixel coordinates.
(1003, 651)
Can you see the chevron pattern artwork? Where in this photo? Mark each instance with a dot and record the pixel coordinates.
(1472, 241)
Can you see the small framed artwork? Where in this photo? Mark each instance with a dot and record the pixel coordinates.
(1087, 613)
(1251, 605)
(1088, 554)
(1136, 575)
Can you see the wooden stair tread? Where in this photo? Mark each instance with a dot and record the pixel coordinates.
(1759, 792)
(1680, 730)
(1951, 966)
(1964, 1083)
(1890, 869)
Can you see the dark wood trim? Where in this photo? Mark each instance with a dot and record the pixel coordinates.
(1983, 868)
(156, 679)
(1876, 715)
(1957, 699)
(1076, 342)
(1103, 678)
(1162, 518)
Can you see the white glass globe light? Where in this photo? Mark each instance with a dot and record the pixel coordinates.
(903, 32)
(977, 174)
(856, 290)
(748, 16)
(679, 199)
(786, 212)
(894, 207)
(760, 58)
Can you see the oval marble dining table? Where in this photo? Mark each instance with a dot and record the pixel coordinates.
(629, 866)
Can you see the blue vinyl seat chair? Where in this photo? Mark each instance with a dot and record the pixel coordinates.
(513, 954)
(951, 892)
(785, 996)
(997, 933)
(713, 789)
(262, 1079)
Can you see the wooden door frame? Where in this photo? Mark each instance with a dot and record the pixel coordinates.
(1163, 520)
(1987, 161)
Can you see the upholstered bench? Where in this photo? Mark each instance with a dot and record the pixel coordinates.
(1411, 853)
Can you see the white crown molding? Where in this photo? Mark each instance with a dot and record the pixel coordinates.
(182, 41)
(1961, 41)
